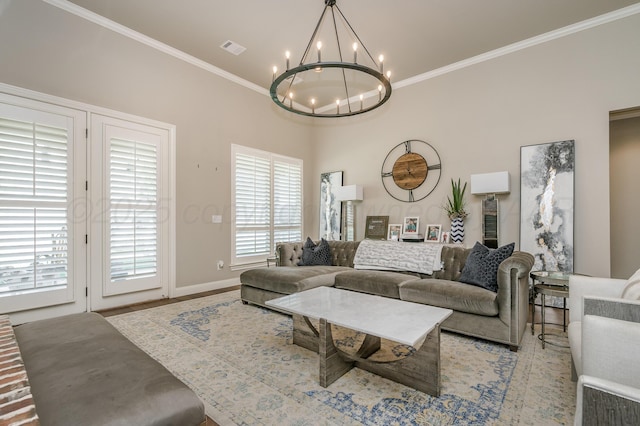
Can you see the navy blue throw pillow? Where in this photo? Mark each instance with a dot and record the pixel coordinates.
(481, 267)
(313, 254)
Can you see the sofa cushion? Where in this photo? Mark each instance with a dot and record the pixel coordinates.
(381, 283)
(451, 295)
(482, 265)
(315, 254)
(291, 279)
(632, 290)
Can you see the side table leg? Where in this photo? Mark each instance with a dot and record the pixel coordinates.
(533, 312)
(542, 316)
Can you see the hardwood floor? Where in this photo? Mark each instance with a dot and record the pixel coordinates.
(161, 302)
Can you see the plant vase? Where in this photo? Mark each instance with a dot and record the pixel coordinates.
(457, 230)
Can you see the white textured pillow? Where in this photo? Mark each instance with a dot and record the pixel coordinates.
(632, 289)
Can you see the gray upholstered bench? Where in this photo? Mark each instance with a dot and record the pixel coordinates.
(82, 371)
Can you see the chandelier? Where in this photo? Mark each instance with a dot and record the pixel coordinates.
(334, 88)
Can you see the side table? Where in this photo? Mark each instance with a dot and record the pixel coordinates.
(549, 284)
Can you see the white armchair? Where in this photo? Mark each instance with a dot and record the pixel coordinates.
(604, 336)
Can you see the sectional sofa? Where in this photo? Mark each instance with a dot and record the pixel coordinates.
(499, 316)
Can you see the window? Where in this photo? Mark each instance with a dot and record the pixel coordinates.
(267, 200)
(133, 189)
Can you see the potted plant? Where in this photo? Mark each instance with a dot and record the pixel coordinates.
(455, 210)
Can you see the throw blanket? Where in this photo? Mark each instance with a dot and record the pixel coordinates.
(423, 258)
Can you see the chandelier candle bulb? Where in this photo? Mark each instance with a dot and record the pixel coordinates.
(361, 101)
(381, 59)
(338, 105)
(287, 54)
(313, 106)
(389, 75)
(379, 92)
(355, 53)
(275, 72)
(290, 99)
(319, 46)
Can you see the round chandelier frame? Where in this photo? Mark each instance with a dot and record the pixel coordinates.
(346, 104)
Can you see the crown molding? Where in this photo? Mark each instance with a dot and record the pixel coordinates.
(511, 48)
(524, 44)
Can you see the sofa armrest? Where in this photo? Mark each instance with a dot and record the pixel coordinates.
(616, 308)
(601, 401)
(581, 285)
(609, 349)
(513, 292)
(289, 254)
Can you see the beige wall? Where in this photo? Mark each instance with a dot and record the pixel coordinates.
(57, 53)
(625, 197)
(480, 116)
(477, 118)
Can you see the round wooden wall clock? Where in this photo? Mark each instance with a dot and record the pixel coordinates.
(411, 170)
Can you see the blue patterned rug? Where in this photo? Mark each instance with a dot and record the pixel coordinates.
(240, 361)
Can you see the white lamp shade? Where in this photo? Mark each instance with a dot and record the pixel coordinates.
(349, 193)
(491, 183)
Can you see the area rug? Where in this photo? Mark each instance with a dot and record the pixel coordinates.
(240, 360)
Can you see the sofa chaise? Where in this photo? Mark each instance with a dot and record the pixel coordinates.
(499, 316)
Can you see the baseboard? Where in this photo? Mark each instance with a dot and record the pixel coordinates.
(200, 288)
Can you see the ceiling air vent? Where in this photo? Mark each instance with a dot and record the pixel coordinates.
(233, 47)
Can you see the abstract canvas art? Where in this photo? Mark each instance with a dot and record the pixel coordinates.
(330, 207)
(546, 204)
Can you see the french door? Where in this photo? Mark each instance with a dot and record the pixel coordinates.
(42, 209)
(130, 219)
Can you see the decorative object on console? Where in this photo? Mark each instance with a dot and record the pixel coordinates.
(481, 267)
(395, 230)
(433, 233)
(411, 170)
(546, 209)
(334, 88)
(490, 184)
(455, 210)
(349, 193)
(376, 227)
(315, 254)
(330, 207)
(445, 237)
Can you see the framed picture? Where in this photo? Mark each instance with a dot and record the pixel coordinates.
(445, 237)
(546, 204)
(376, 227)
(433, 233)
(330, 207)
(411, 225)
(394, 232)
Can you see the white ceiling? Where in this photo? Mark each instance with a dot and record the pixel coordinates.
(415, 36)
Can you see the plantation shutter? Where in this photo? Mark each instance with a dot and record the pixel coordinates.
(33, 205)
(253, 205)
(133, 195)
(287, 200)
(268, 203)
